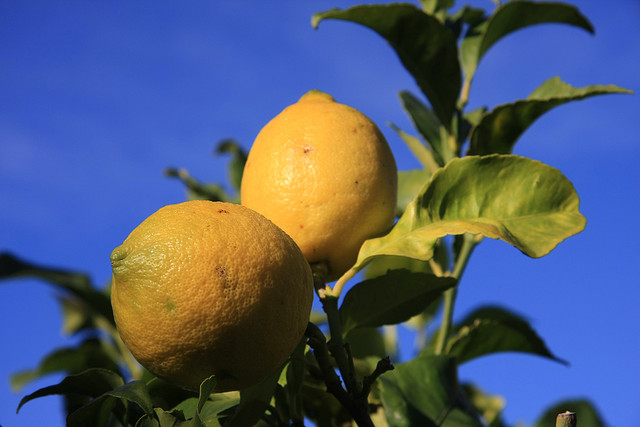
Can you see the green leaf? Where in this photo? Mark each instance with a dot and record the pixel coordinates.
(428, 125)
(254, 401)
(586, 413)
(210, 411)
(433, 6)
(295, 373)
(390, 299)
(523, 202)
(498, 130)
(512, 16)
(420, 151)
(425, 392)
(197, 190)
(491, 330)
(72, 360)
(135, 392)
(425, 46)
(489, 406)
(78, 284)
(166, 395)
(366, 342)
(91, 383)
(409, 184)
(238, 160)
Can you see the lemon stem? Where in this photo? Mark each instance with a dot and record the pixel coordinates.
(469, 242)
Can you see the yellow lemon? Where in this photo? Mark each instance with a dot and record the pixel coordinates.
(324, 173)
(202, 288)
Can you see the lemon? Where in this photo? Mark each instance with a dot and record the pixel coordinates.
(202, 288)
(324, 173)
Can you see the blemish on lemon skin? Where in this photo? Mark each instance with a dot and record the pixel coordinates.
(222, 211)
(170, 306)
(307, 149)
(221, 270)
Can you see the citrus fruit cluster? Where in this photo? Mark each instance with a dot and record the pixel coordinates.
(202, 288)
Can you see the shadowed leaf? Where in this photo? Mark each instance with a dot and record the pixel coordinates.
(587, 414)
(512, 16)
(491, 330)
(425, 392)
(72, 360)
(390, 299)
(77, 284)
(425, 46)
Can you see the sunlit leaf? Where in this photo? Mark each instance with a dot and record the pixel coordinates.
(425, 46)
(523, 202)
(491, 330)
(390, 299)
(425, 392)
(512, 16)
(586, 413)
(409, 184)
(499, 129)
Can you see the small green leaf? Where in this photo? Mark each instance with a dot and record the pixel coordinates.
(425, 392)
(390, 299)
(136, 392)
(586, 413)
(512, 16)
(72, 360)
(427, 123)
(433, 6)
(254, 401)
(491, 330)
(420, 151)
(425, 46)
(499, 129)
(488, 406)
(197, 190)
(523, 202)
(211, 410)
(238, 160)
(366, 342)
(78, 284)
(91, 383)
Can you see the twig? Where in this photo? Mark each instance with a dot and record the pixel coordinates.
(358, 411)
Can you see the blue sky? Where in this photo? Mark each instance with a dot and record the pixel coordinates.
(98, 98)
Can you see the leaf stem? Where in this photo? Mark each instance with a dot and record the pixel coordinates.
(469, 242)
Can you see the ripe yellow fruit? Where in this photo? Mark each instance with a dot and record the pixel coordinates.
(202, 288)
(324, 173)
